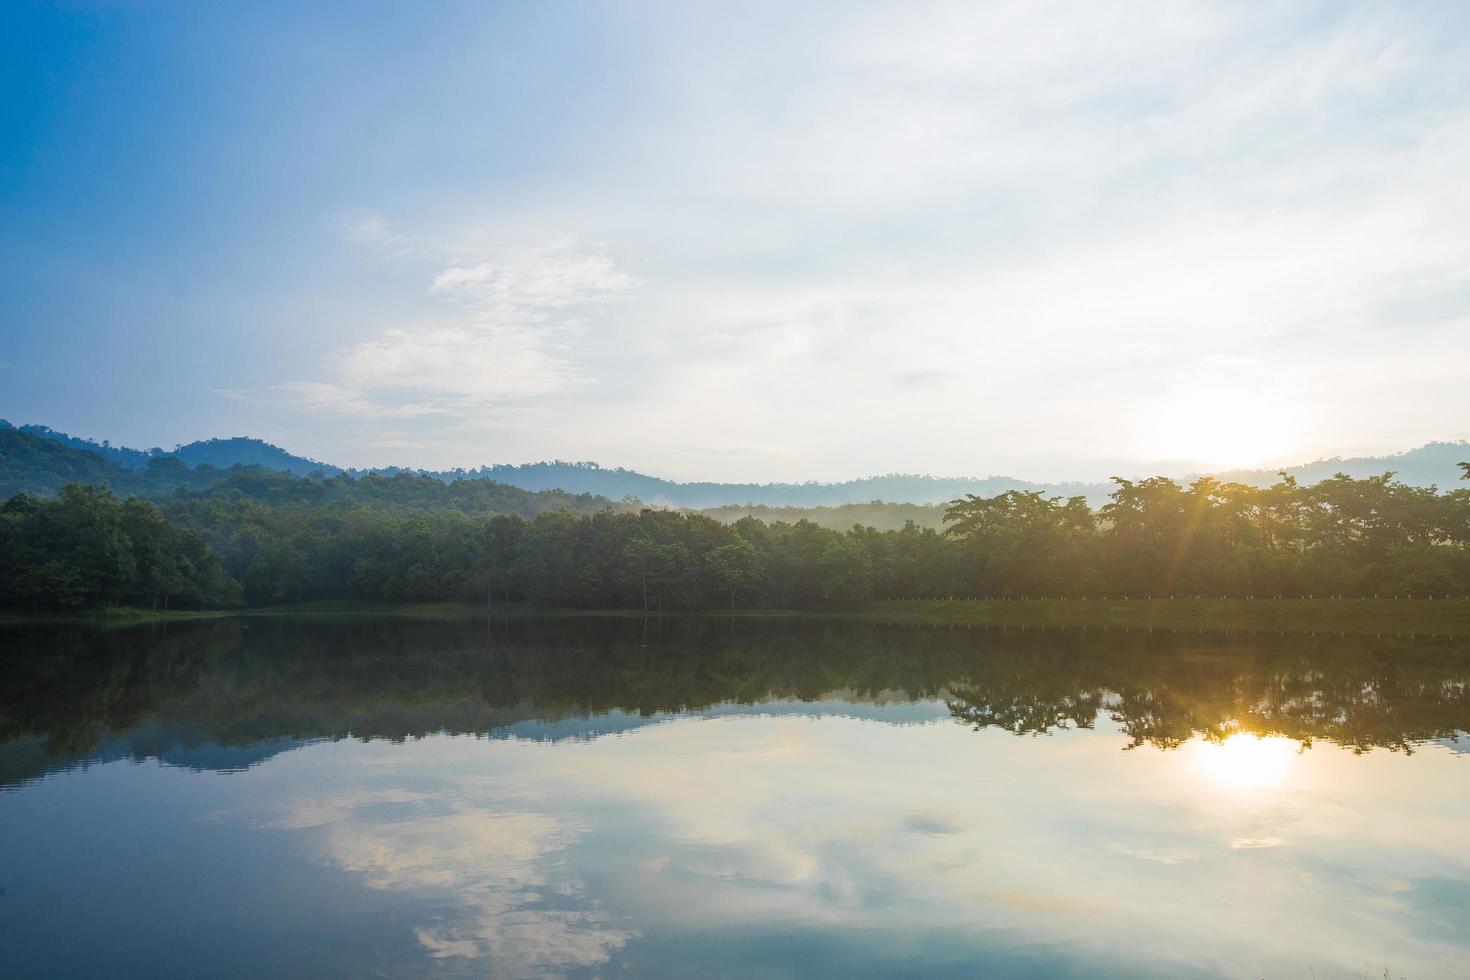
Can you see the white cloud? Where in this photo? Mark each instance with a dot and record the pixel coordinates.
(335, 399)
(461, 365)
(952, 238)
(505, 320)
(494, 869)
(361, 227)
(533, 281)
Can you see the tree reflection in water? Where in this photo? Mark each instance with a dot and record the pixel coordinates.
(68, 694)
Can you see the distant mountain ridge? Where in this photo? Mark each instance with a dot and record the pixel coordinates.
(35, 465)
(133, 459)
(1435, 463)
(892, 487)
(220, 453)
(244, 451)
(1432, 464)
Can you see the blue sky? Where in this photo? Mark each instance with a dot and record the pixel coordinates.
(741, 241)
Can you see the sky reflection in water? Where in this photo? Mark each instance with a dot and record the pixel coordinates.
(528, 800)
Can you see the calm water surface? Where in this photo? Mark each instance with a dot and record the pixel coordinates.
(729, 798)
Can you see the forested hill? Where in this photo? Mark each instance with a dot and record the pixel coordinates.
(241, 451)
(220, 453)
(32, 464)
(1435, 464)
(42, 466)
(1430, 465)
(896, 487)
(578, 478)
(132, 459)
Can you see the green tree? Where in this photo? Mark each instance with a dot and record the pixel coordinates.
(736, 566)
(846, 571)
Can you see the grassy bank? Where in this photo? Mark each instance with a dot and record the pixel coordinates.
(1433, 617)
(334, 609)
(110, 615)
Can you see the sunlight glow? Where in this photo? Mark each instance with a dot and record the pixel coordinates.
(1222, 427)
(1246, 762)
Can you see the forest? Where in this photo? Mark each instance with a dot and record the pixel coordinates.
(261, 538)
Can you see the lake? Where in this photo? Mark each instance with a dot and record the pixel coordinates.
(729, 797)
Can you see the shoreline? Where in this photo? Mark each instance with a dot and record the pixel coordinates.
(1429, 617)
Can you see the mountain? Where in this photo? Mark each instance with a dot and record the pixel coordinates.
(894, 487)
(219, 453)
(590, 478)
(243, 451)
(1434, 464)
(40, 465)
(133, 459)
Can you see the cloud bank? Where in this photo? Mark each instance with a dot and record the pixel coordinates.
(1054, 239)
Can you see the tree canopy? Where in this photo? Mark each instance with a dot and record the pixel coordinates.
(262, 537)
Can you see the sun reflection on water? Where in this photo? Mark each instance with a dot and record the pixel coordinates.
(1245, 761)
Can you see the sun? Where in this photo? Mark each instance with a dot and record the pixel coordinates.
(1245, 761)
(1221, 427)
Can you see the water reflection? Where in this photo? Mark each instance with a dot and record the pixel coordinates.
(223, 695)
(1246, 761)
(535, 798)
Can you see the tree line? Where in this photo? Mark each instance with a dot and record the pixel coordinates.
(88, 548)
(263, 538)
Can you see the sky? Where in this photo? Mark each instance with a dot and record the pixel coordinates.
(741, 241)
